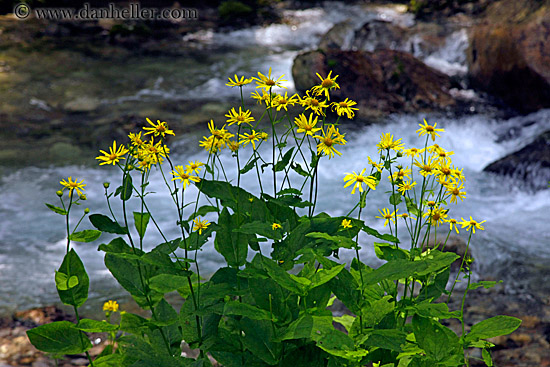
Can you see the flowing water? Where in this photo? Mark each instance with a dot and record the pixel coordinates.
(514, 246)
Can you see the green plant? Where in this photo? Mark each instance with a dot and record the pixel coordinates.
(273, 309)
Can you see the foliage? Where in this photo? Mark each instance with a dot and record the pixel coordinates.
(269, 306)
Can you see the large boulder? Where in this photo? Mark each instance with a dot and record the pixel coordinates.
(383, 81)
(531, 164)
(509, 53)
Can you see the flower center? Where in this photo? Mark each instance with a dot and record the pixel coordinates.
(343, 104)
(456, 192)
(112, 157)
(270, 82)
(427, 168)
(327, 83)
(360, 179)
(314, 102)
(240, 118)
(328, 142)
(429, 129)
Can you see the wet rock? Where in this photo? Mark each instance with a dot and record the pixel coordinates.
(339, 37)
(509, 53)
(82, 104)
(383, 81)
(378, 35)
(530, 165)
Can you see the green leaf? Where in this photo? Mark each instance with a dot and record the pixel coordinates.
(126, 188)
(341, 345)
(484, 283)
(87, 235)
(289, 191)
(324, 275)
(375, 233)
(258, 339)
(495, 326)
(374, 312)
(94, 326)
(72, 280)
(55, 209)
(244, 309)
(395, 198)
(63, 282)
(165, 283)
(249, 166)
(298, 169)
(391, 339)
(109, 360)
(232, 246)
(105, 224)
(438, 341)
(117, 245)
(436, 310)
(338, 241)
(308, 327)
(60, 337)
(486, 355)
(202, 211)
(284, 161)
(262, 228)
(411, 207)
(394, 270)
(385, 251)
(283, 278)
(141, 220)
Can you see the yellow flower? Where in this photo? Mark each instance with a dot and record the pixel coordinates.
(328, 140)
(275, 226)
(194, 167)
(426, 168)
(436, 215)
(358, 180)
(452, 224)
(233, 145)
(387, 142)
(136, 139)
(238, 82)
(110, 306)
(378, 166)
(405, 186)
(400, 175)
(326, 85)
(454, 190)
(429, 129)
(240, 117)
(161, 128)
(264, 136)
(200, 225)
(281, 101)
(73, 185)
(412, 152)
(250, 138)
(346, 223)
(267, 82)
(180, 174)
(113, 156)
(386, 215)
(264, 97)
(218, 140)
(345, 108)
(314, 104)
(471, 224)
(305, 125)
(155, 149)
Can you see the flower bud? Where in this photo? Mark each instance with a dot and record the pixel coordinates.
(399, 154)
(86, 211)
(59, 193)
(83, 197)
(106, 185)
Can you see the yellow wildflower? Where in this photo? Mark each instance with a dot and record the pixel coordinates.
(358, 180)
(346, 223)
(305, 125)
(161, 128)
(385, 214)
(250, 138)
(275, 226)
(180, 174)
(326, 85)
(471, 224)
(281, 101)
(345, 108)
(429, 129)
(240, 117)
(238, 82)
(110, 306)
(115, 154)
(200, 225)
(73, 185)
(194, 167)
(329, 139)
(266, 82)
(387, 142)
(314, 104)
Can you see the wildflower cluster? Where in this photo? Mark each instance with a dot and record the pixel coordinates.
(269, 305)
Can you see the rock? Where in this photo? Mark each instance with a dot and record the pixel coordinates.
(339, 37)
(383, 81)
(41, 316)
(378, 35)
(531, 164)
(509, 54)
(82, 104)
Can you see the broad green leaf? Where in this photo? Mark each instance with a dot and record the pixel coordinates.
(232, 246)
(339, 344)
(109, 360)
(308, 327)
(436, 261)
(61, 337)
(258, 339)
(126, 188)
(56, 209)
(132, 323)
(324, 275)
(484, 283)
(244, 309)
(437, 310)
(439, 342)
(345, 320)
(375, 233)
(202, 211)
(87, 235)
(74, 291)
(411, 207)
(494, 326)
(376, 311)
(94, 326)
(385, 251)
(118, 246)
(394, 270)
(105, 224)
(435, 288)
(165, 283)
(289, 191)
(63, 282)
(339, 241)
(283, 278)
(391, 339)
(262, 228)
(345, 287)
(281, 165)
(486, 355)
(165, 314)
(249, 166)
(141, 220)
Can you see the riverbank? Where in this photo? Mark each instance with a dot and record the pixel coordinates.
(528, 346)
